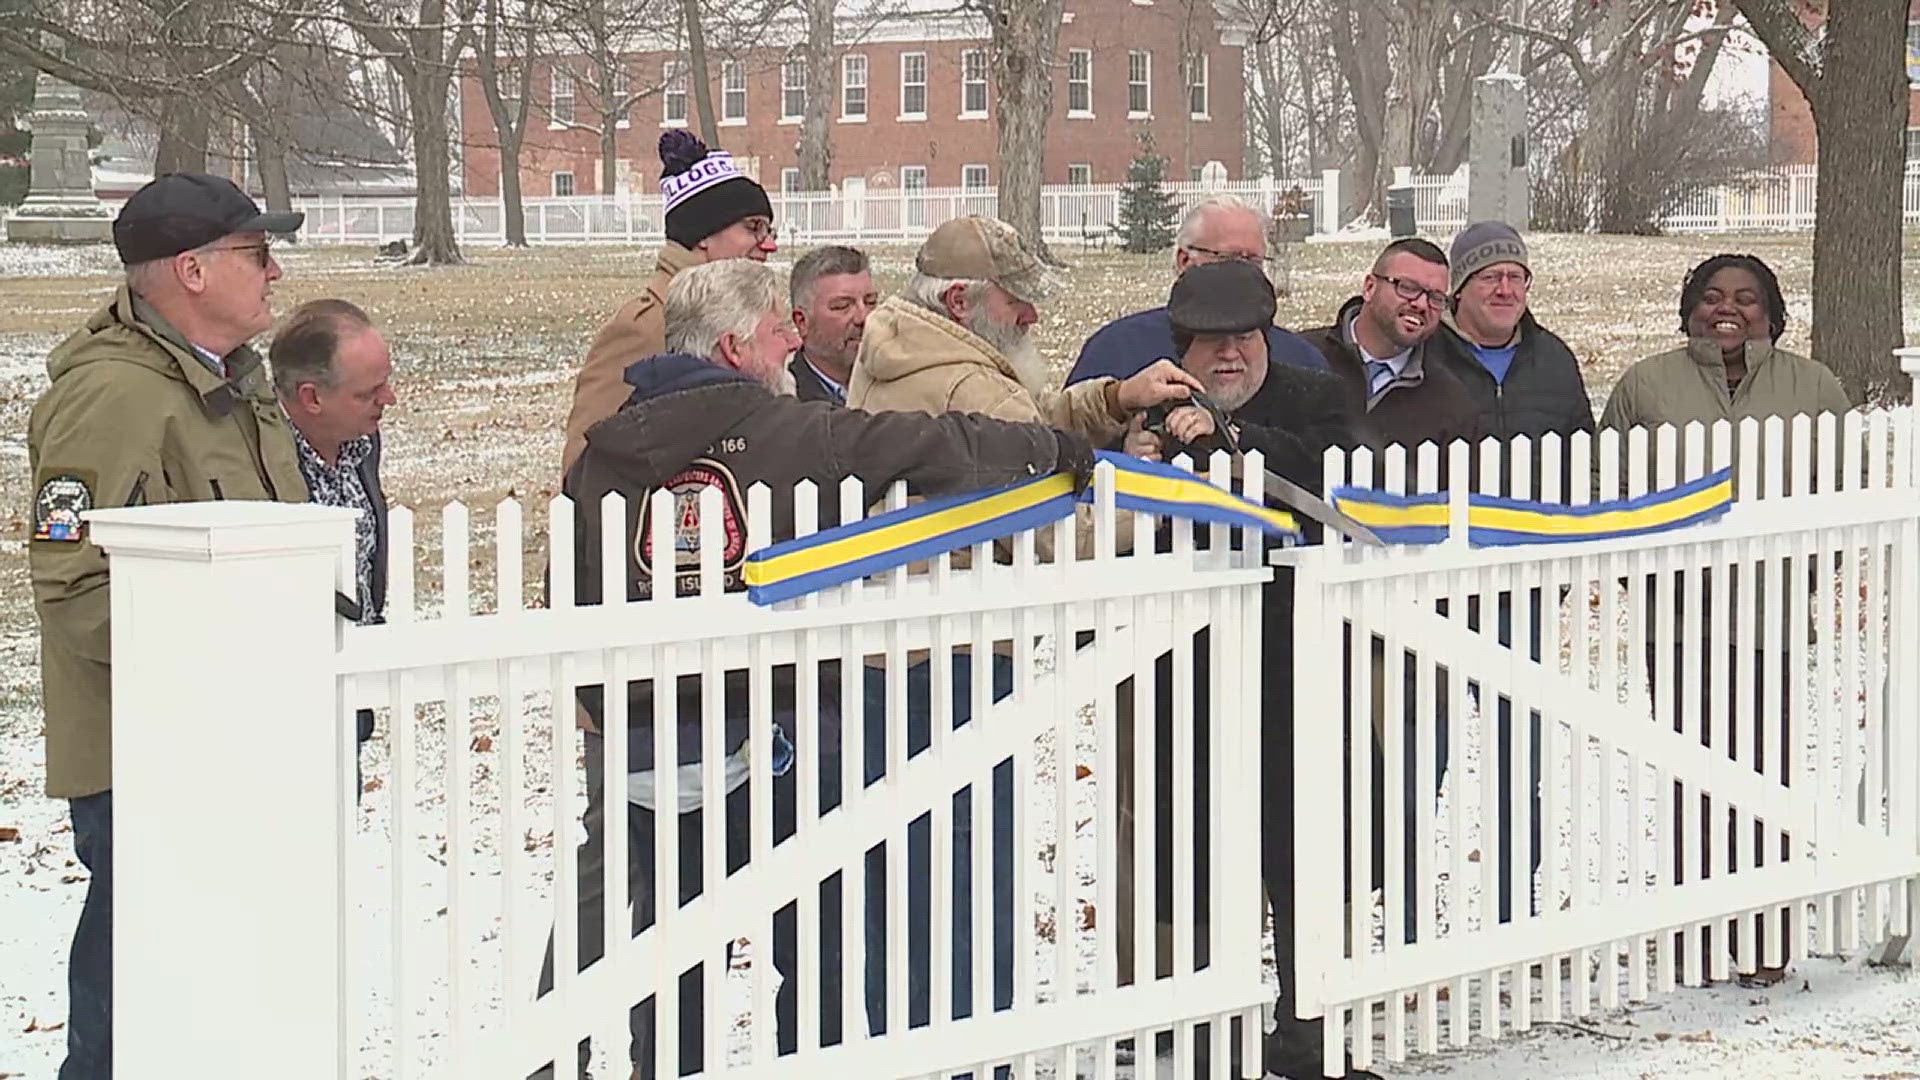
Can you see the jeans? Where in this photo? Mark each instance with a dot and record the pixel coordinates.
(90, 965)
(641, 823)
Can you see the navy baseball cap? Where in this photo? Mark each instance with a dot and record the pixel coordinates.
(178, 212)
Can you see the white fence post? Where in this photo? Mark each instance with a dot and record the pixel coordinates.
(230, 777)
(1329, 200)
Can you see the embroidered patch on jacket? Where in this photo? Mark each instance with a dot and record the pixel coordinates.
(686, 486)
(57, 509)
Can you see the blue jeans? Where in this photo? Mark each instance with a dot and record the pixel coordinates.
(919, 857)
(90, 965)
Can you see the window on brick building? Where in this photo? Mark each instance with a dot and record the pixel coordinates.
(853, 87)
(560, 102)
(789, 179)
(1913, 145)
(733, 91)
(973, 82)
(1913, 53)
(973, 177)
(913, 85)
(1139, 83)
(1080, 175)
(1197, 85)
(562, 184)
(913, 178)
(673, 93)
(1079, 82)
(793, 88)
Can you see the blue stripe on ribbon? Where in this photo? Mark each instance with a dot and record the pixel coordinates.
(1396, 519)
(1495, 521)
(1149, 487)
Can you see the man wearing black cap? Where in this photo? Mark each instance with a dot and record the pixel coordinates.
(713, 211)
(155, 399)
(1219, 313)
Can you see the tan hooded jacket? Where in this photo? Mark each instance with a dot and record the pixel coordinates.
(913, 360)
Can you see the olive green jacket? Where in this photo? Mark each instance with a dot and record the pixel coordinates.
(133, 417)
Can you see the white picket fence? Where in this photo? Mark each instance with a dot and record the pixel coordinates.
(407, 940)
(1777, 199)
(421, 943)
(1725, 788)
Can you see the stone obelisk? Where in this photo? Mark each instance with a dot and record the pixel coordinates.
(61, 207)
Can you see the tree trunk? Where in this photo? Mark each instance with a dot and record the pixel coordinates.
(697, 62)
(184, 127)
(1273, 79)
(270, 158)
(513, 210)
(434, 241)
(1026, 34)
(1859, 115)
(609, 145)
(816, 144)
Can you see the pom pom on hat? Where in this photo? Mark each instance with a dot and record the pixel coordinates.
(680, 150)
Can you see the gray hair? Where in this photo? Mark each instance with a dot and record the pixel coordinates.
(1191, 222)
(931, 292)
(822, 262)
(308, 342)
(143, 277)
(707, 302)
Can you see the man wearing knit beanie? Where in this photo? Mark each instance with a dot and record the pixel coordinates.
(713, 211)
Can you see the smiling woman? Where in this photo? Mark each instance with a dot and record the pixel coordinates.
(1732, 313)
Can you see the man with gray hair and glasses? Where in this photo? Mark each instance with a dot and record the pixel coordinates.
(1218, 228)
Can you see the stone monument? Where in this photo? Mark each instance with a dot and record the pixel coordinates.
(61, 207)
(1497, 163)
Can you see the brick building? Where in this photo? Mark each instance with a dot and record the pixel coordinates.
(913, 104)
(1790, 120)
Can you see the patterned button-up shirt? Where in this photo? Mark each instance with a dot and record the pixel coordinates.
(340, 484)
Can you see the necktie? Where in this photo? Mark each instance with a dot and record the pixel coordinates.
(1379, 374)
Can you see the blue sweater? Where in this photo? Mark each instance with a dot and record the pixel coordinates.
(1126, 345)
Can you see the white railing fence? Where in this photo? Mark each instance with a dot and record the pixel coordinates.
(1708, 761)
(411, 944)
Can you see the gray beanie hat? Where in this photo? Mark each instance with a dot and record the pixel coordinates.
(1482, 244)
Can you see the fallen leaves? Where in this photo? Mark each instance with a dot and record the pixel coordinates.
(9, 834)
(36, 1025)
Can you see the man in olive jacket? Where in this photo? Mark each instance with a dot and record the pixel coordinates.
(713, 211)
(155, 399)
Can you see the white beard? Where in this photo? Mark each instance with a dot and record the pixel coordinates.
(782, 384)
(1016, 344)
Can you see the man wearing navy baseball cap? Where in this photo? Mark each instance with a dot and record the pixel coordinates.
(157, 398)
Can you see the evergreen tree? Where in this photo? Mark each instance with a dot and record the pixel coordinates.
(1146, 209)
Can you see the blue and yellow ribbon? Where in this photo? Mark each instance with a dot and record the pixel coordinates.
(1493, 521)
(1496, 521)
(1396, 519)
(793, 568)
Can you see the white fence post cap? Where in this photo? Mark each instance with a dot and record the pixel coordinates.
(1909, 357)
(205, 531)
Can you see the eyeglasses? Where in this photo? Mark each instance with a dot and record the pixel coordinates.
(1493, 279)
(1231, 256)
(760, 229)
(262, 251)
(1410, 290)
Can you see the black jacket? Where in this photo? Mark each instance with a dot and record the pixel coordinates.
(1543, 390)
(690, 425)
(1437, 408)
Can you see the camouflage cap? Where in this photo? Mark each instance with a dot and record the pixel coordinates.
(979, 248)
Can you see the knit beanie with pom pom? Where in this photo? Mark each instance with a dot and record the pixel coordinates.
(705, 192)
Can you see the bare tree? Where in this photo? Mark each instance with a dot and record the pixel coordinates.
(595, 39)
(1853, 74)
(822, 56)
(504, 63)
(693, 24)
(1025, 42)
(424, 47)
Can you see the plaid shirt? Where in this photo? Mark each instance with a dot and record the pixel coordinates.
(340, 484)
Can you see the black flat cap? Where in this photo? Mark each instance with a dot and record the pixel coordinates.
(178, 212)
(1228, 297)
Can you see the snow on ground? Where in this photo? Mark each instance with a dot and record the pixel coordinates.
(485, 356)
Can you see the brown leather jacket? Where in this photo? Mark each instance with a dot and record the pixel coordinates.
(638, 330)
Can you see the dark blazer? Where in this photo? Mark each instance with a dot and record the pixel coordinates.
(807, 383)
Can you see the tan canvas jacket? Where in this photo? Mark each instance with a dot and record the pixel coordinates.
(638, 330)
